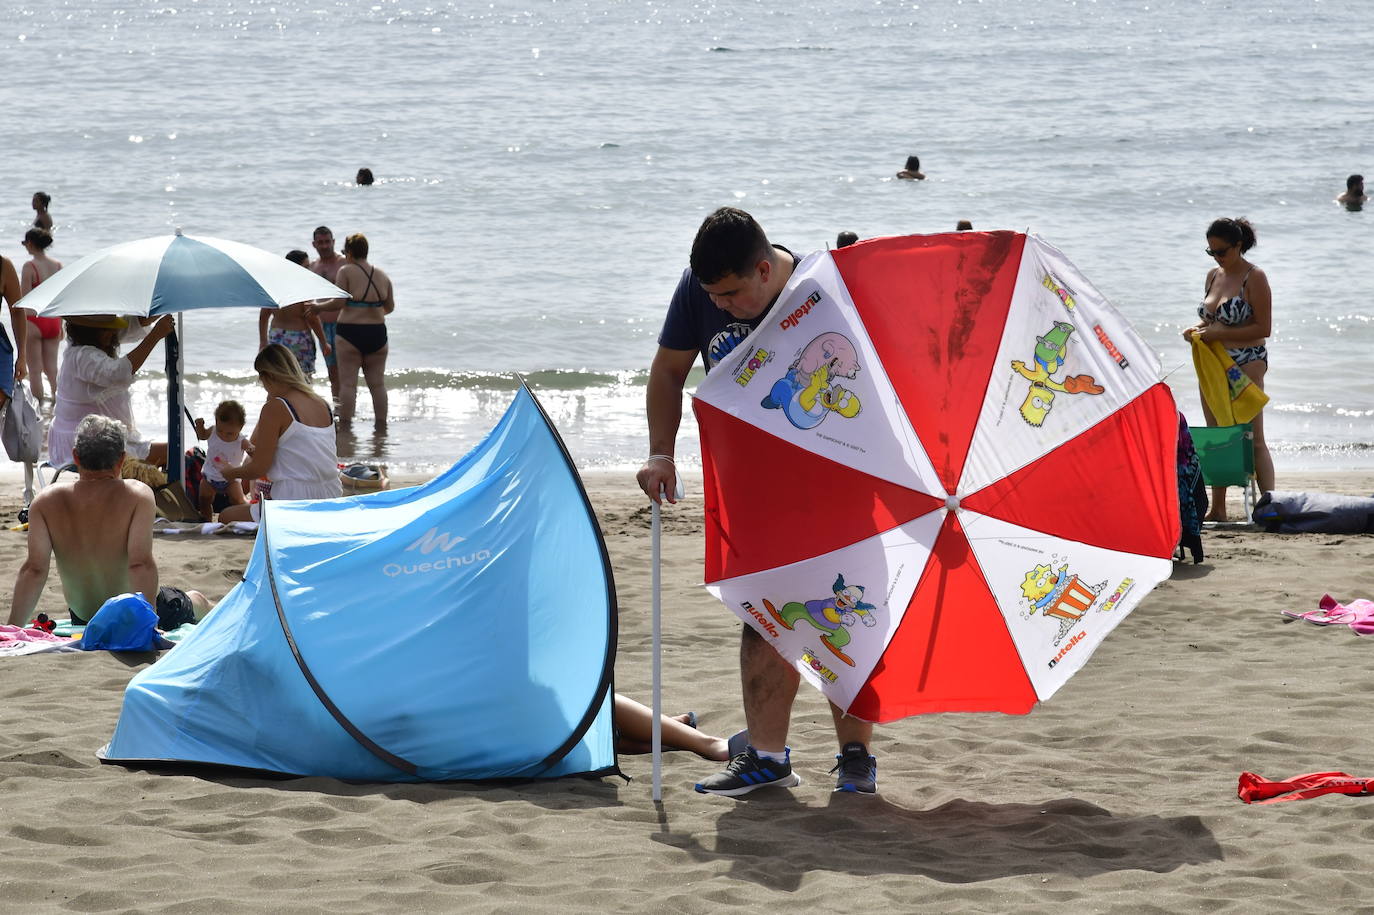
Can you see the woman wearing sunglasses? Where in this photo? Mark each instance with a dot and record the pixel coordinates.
(1236, 312)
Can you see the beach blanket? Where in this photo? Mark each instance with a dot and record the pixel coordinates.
(1256, 789)
(15, 640)
(1228, 392)
(164, 526)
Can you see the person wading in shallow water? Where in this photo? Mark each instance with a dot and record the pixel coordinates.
(361, 332)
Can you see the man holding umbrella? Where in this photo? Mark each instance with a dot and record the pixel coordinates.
(735, 276)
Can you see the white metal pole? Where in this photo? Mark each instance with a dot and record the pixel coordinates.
(657, 742)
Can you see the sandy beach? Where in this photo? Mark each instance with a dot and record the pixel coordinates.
(1118, 795)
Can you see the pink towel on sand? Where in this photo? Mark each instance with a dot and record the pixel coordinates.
(16, 634)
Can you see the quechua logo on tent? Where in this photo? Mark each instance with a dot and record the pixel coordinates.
(431, 540)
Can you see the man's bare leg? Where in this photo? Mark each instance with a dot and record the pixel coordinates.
(849, 729)
(770, 686)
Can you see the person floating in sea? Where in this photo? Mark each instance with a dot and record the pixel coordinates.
(95, 561)
(1354, 197)
(912, 172)
(364, 177)
(845, 239)
(735, 275)
(327, 265)
(964, 226)
(41, 218)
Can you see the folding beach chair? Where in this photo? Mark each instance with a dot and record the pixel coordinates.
(1227, 455)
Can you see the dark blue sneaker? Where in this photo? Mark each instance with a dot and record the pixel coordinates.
(747, 772)
(858, 772)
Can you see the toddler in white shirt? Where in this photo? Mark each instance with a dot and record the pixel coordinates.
(225, 446)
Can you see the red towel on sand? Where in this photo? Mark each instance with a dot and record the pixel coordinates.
(1256, 789)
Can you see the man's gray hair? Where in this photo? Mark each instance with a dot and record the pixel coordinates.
(99, 442)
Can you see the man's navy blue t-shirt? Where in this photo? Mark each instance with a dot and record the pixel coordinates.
(694, 322)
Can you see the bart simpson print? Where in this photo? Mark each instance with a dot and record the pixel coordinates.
(1050, 351)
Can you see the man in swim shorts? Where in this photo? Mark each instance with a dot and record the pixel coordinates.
(293, 325)
(327, 265)
(95, 561)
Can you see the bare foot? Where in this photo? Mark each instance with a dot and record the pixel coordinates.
(1214, 517)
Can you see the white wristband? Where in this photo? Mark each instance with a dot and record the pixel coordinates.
(660, 457)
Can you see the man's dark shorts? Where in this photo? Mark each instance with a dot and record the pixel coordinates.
(174, 608)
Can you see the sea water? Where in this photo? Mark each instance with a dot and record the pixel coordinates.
(542, 166)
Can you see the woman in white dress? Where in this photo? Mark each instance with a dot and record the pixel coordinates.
(94, 378)
(294, 443)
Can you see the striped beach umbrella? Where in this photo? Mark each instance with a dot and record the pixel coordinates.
(173, 274)
(169, 274)
(938, 474)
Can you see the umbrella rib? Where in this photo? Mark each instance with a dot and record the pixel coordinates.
(934, 628)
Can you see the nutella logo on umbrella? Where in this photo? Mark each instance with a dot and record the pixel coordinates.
(801, 311)
(763, 621)
(1112, 351)
(1066, 649)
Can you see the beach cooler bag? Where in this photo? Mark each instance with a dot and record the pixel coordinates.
(1281, 512)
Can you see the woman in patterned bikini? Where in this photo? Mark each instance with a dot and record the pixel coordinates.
(1236, 312)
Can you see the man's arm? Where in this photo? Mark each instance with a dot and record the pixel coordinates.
(33, 574)
(663, 403)
(312, 321)
(142, 568)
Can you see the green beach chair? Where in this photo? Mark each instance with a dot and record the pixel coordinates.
(1227, 456)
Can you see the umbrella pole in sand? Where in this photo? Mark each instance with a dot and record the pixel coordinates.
(657, 739)
(176, 454)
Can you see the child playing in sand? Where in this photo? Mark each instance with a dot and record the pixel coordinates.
(225, 446)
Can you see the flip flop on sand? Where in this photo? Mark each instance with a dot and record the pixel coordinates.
(1319, 617)
(1358, 614)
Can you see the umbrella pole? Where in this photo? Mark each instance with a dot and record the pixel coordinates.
(657, 742)
(176, 454)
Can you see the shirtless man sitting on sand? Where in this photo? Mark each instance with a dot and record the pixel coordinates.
(96, 561)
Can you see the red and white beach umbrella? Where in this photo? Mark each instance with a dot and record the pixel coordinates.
(938, 474)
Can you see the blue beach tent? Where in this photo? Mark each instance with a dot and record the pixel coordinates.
(463, 629)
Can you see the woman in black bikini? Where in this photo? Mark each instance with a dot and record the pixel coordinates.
(361, 332)
(1236, 311)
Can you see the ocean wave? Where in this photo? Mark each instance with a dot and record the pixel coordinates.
(428, 379)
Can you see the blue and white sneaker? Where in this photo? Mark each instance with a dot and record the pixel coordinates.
(748, 772)
(858, 772)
